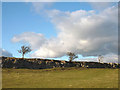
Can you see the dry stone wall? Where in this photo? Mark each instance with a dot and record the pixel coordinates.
(8, 62)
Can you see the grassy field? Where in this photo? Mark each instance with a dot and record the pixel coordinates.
(60, 78)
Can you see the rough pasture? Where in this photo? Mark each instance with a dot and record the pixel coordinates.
(60, 78)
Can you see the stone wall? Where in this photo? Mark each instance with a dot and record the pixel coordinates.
(8, 62)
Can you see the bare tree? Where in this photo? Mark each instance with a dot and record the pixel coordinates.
(72, 56)
(100, 57)
(24, 50)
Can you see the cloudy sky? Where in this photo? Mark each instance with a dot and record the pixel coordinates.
(52, 29)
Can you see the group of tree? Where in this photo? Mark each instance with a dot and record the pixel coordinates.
(26, 49)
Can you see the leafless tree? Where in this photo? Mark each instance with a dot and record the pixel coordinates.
(24, 49)
(100, 57)
(72, 56)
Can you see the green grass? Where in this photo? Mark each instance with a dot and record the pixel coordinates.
(60, 78)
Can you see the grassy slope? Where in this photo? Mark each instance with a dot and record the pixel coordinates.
(49, 78)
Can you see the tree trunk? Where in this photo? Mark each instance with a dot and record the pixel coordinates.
(22, 55)
(70, 59)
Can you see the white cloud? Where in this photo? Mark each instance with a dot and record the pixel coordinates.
(101, 5)
(40, 7)
(83, 32)
(108, 58)
(111, 58)
(86, 31)
(36, 40)
(5, 53)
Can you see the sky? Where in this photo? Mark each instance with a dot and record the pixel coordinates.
(52, 29)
